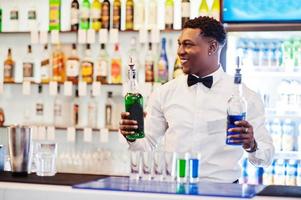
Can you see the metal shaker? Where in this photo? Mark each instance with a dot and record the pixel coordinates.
(19, 145)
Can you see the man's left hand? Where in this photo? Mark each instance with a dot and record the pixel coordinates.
(245, 135)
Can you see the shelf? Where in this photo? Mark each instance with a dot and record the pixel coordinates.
(34, 83)
(295, 155)
(272, 74)
(272, 113)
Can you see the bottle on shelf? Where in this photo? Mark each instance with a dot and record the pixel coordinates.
(169, 14)
(32, 18)
(204, 9)
(95, 15)
(152, 18)
(92, 112)
(149, 65)
(14, 18)
(129, 15)
(39, 107)
(117, 14)
(237, 106)
(54, 15)
(105, 14)
(178, 69)
(102, 66)
(162, 68)
(139, 15)
(215, 10)
(74, 15)
(45, 65)
(85, 15)
(133, 101)
(87, 66)
(9, 68)
(58, 118)
(185, 9)
(75, 110)
(109, 110)
(58, 64)
(72, 66)
(116, 66)
(28, 65)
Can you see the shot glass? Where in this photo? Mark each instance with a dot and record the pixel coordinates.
(169, 166)
(146, 168)
(46, 158)
(2, 158)
(182, 167)
(134, 165)
(194, 167)
(158, 165)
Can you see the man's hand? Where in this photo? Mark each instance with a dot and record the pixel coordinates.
(126, 125)
(245, 135)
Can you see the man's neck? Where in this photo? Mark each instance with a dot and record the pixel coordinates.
(209, 71)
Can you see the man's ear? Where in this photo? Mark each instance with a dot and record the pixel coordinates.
(213, 47)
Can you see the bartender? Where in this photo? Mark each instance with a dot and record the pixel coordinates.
(191, 113)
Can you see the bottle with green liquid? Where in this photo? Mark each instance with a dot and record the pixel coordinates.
(134, 103)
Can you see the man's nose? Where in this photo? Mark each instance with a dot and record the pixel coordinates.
(180, 50)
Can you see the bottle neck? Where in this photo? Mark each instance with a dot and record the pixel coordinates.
(132, 81)
(238, 88)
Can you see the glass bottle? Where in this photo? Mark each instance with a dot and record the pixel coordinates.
(14, 18)
(215, 10)
(54, 15)
(58, 64)
(185, 8)
(117, 14)
(72, 66)
(149, 65)
(139, 17)
(58, 118)
(162, 69)
(102, 66)
(87, 66)
(74, 15)
(177, 70)
(9, 68)
(129, 15)
(75, 110)
(105, 14)
(169, 14)
(45, 65)
(85, 15)
(237, 107)
(109, 110)
(95, 15)
(92, 112)
(116, 66)
(134, 103)
(39, 108)
(152, 15)
(28, 65)
(203, 9)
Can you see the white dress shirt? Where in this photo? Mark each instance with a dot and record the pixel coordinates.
(193, 119)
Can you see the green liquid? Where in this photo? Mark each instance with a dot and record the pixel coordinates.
(134, 105)
(181, 165)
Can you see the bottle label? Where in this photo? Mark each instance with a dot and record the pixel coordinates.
(45, 69)
(75, 114)
(14, 15)
(149, 71)
(116, 17)
(95, 14)
(105, 16)
(28, 69)
(54, 14)
(116, 70)
(185, 8)
(87, 71)
(72, 68)
(102, 68)
(57, 110)
(74, 16)
(39, 109)
(136, 113)
(162, 70)
(32, 15)
(169, 15)
(129, 16)
(108, 115)
(8, 71)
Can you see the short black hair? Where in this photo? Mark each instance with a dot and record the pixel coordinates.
(209, 26)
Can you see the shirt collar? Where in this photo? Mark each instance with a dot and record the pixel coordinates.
(217, 75)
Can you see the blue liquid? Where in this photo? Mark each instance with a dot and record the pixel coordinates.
(194, 168)
(230, 124)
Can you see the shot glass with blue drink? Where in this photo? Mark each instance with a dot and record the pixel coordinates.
(194, 167)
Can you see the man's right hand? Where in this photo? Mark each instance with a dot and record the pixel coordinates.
(126, 125)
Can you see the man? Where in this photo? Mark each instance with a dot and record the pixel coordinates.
(193, 116)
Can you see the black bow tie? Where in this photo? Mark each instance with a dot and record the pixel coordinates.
(207, 81)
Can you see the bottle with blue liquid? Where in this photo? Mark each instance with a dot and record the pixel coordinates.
(237, 107)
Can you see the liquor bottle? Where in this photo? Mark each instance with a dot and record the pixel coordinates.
(169, 14)
(58, 118)
(74, 15)
(237, 107)
(139, 17)
(149, 65)
(133, 101)
(85, 15)
(39, 108)
(72, 66)
(185, 8)
(109, 110)
(9, 68)
(129, 15)
(75, 110)
(116, 66)
(28, 65)
(32, 18)
(117, 14)
(102, 66)
(54, 15)
(203, 9)
(58, 65)
(105, 14)
(215, 10)
(178, 69)
(45, 65)
(14, 19)
(87, 66)
(92, 112)
(162, 69)
(95, 15)
(152, 15)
